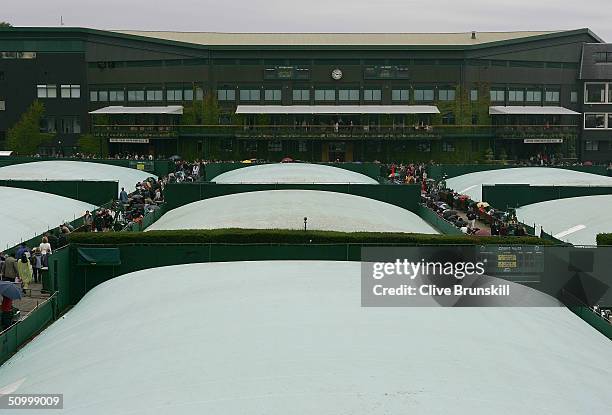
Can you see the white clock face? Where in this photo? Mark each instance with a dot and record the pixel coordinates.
(336, 74)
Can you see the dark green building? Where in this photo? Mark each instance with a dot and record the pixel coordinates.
(445, 97)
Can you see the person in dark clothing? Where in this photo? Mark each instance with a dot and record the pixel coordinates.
(10, 268)
(7, 313)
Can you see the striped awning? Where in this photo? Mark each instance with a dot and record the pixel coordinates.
(337, 109)
(530, 110)
(117, 109)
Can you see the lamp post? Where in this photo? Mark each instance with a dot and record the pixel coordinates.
(305, 222)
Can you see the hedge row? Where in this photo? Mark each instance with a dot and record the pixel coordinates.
(254, 236)
(604, 239)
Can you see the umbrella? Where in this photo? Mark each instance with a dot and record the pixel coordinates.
(394, 175)
(246, 161)
(287, 160)
(10, 289)
(482, 204)
(587, 163)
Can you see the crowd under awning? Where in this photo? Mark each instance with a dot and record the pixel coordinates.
(118, 109)
(337, 109)
(530, 110)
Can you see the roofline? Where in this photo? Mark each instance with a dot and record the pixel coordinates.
(175, 43)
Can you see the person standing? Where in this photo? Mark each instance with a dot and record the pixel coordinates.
(24, 270)
(10, 268)
(123, 196)
(36, 261)
(88, 221)
(45, 251)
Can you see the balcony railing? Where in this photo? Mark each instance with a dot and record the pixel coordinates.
(340, 132)
(536, 131)
(135, 131)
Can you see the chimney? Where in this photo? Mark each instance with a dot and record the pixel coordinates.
(473, 35)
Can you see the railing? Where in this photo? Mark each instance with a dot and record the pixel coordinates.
(345, 132)
(537, 131)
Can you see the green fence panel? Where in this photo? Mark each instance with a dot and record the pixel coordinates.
(94, 192)
(504, 196)
(453, 170)
(437, 222)
(404, 196)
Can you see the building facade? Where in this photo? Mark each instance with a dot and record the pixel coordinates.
(459, 97)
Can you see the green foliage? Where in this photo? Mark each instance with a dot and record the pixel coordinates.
(604, 239)
(5, 25)
(250, 236)
(25, 136)
(211, 110)
(89, 144)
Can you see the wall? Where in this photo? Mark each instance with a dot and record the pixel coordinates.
(503, 196)
(404, 196)
(94, 192)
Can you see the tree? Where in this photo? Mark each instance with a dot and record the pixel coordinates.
(88, 144)
(25, 136)
(5, 24)
(211, 110)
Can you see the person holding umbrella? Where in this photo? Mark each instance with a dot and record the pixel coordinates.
(9, 292)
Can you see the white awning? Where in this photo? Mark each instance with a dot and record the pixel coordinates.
(117, 109)
(337, 109)
(6, 153)
(527, 110)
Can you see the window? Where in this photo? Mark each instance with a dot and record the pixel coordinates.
(301, 95)
(610, 93)
(448, 118)
(250, 95)
(591, 145)
(302, 146)
(348, 95)
(116, 96)
(574, 96)
(423, 95)
(275, 145)
(93, 96)
(47, 125)
(272, 95)
(594, 93)
(136, 95)
(155, 95)
(188, 94)
(446, 94)
(448, 147)
(199, 95)
(400, 95)
(516, 95)
(226, 95)
(498, 95)
(325, 94)
(70, 125)
(372, 94)
(423, 147)
(533, 96)
(70, 91)
(46, 91)
(552, 96)
(2, 105)
(592, 121)
(474, 95)
(174, 94)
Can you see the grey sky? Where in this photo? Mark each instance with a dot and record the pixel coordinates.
(315, 15)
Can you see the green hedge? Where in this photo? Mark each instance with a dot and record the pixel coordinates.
(250, 236)
(604, 239)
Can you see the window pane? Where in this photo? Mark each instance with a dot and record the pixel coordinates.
(330, 95)
(594, 121)
(75, 91)
(65, 91)
(93, 96)
(199, 94)
(319, 95)
(552, 96)
(103, 95)
(474, 95)
(188, 94)
(595, 93)
(41, 91)
(574, 96)
(51, 91)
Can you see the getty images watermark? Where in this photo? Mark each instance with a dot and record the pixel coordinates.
(470, 276)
